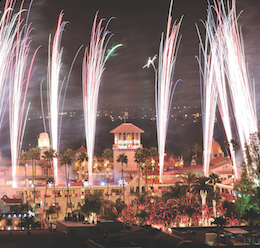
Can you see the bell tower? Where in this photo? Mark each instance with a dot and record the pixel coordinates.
(43, 143)
(127, 139)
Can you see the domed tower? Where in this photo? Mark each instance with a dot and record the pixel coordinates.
(43, 143)
(216, 150)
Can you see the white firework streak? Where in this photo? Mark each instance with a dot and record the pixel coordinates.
(224, 40)
(93, 66)
(9, 26)
(238, 80)
(54, 89)
(20, 76)
(165, 87)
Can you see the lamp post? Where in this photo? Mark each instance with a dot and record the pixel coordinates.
(107, 172)
(83, 195)
(153, 163)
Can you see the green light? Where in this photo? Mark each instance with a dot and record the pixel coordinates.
(112, 50)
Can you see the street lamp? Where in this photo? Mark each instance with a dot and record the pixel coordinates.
(83, 195)
(153, 164)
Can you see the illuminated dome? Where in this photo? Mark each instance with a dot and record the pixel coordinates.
(216, 149)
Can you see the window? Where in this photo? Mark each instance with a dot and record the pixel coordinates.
(9, 222)
(131, 189)
(143, 189)
(137, 189)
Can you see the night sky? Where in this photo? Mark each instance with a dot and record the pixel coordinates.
(138, 25)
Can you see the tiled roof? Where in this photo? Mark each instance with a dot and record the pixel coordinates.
(76, 184)
(197, 167)
(81, 149)
(127, 128)
(11, 201)
(219, 160)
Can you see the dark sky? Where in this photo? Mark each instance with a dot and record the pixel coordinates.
(138, 25)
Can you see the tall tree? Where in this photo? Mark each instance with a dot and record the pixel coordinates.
(122, 158)
(189, 181)
(213, 180)
(34, 154)
(66, 160)
(48, 156)
(175, 192)
(107, 154)
(93, 203)
(153, 152)
(140, 156)
(24, 156)
(82, 159)
(201, 187)
(196, 148)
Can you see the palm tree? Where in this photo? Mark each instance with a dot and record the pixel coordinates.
(93, 203)
(214, 179)
(196, 148)
(201, 187)
(66, 160)
(122, 158)
(48, 156)
(176, 192)
(34, 154)
(82, 158)
(153, 154)
(107, 154)
(190, 212)
(24, 156)
(140, 156)
(189, 181)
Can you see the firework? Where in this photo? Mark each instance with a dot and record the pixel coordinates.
(164, 86)
(20, 75)
(54, 88)
(225, 80)
(93, 66)
(9, 27)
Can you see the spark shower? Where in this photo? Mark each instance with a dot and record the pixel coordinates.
(164, 86)
(225, 80)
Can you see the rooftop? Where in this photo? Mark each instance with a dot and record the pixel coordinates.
(127, 128)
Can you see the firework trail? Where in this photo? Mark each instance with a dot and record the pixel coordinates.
(164, 86)
(92, 68)
(54, 88)
(19, 77)
(9, 26)
(224, 49)
(238, 79)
